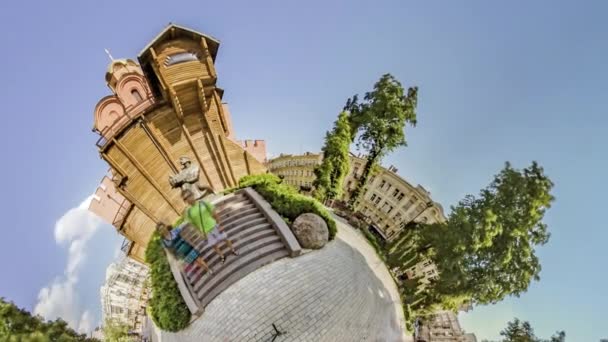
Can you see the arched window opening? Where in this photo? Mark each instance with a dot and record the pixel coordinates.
(136, 95)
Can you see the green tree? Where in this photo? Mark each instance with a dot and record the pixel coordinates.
(486, 250)
(115, 331)
(336, 161)
(522, 331)
(18, 325)
(518, 331)
(380, 121)
(559, 336)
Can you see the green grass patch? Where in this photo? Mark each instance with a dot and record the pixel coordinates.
(285, 200)
(167, 307)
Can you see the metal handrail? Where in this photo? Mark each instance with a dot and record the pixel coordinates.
(126, 245)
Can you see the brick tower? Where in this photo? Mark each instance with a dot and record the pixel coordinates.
(164, 107)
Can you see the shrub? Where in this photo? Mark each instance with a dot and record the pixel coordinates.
(286, 201)
(409, 319)
(167, 307)
(371, 238)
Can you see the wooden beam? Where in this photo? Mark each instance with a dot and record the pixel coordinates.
(137, 204)
(179, 116)
(208, 60)
(221, 163)
(160, 147)
(144, 173)
(124, 192)
(234, 180)
(176, 104)
(113, 164)
(221, 111)
(221, 115)
(245, 155)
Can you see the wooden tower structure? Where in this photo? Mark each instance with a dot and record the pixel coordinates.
(164, 107)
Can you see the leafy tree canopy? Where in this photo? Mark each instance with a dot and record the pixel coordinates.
(380, 120)
(18, 325)
(336, 161)
(522, 331)
(487, 248)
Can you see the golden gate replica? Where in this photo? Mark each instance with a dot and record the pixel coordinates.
(165, 107)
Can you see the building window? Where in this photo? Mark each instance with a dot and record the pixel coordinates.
(396, 192)
(136, 95)
(373, 197)
(382, 184)
(400, 197)
(180, 58)
(409, 203)
(377, 200)
(390, 208)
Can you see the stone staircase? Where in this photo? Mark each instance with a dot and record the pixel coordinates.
(259, 235)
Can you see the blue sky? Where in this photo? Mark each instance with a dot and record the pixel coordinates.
(517, 81)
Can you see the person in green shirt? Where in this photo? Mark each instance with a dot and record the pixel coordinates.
(203, 216)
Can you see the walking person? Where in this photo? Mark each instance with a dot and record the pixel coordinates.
(203, 216)
(172, 240)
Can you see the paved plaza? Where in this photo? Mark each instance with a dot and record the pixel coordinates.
(342, 292)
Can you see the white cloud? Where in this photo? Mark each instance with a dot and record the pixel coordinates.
(86, 322)
(60, 298)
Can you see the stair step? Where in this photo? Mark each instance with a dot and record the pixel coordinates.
(245, 237)
(239, 236)
(262, 260)
(237, 197)
(244, 219)
(200, 242)
(230, 218)
(233, 210)
(246, 252)
(232, 206)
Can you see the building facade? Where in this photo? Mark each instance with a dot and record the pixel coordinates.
(388, 203)
(296, 170)
(442, 326)
(425, 271)
(165, 106)
(124, 294)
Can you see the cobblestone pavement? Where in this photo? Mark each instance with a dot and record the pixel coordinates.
(327, 295)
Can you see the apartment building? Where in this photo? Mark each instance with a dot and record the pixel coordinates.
(124, 294)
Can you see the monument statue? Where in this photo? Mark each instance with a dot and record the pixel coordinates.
(187, 178)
